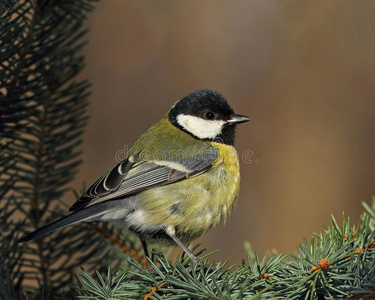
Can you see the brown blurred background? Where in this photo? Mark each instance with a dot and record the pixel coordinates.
(304, 71)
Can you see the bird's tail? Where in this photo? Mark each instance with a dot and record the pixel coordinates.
(88, 214)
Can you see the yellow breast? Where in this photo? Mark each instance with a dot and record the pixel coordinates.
(227, 166)
(196, 204)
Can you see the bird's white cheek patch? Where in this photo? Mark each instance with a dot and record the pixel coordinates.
(203, 129)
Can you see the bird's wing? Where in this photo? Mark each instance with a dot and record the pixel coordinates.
(128, 178)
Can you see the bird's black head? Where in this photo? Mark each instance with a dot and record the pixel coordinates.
(206, 115)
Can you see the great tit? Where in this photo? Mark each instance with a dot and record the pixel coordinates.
(179, 179)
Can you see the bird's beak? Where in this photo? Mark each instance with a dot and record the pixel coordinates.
(237, 119)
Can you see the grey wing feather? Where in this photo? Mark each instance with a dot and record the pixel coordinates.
(144, 175)
(92, 213)
(107, 183)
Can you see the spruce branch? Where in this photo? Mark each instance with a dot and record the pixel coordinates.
(43, 116)
(338, 263)
(6, 5)
(131, 249)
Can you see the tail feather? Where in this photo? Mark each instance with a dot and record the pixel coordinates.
(91, 213)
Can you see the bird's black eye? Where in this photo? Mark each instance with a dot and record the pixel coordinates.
(209, 115)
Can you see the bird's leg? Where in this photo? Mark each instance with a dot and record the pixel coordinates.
(144, 246)
(171, 232)
(145, 250)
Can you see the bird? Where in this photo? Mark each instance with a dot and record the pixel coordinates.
(180, 178)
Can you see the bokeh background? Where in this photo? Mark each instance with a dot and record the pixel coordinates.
(304, 71)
